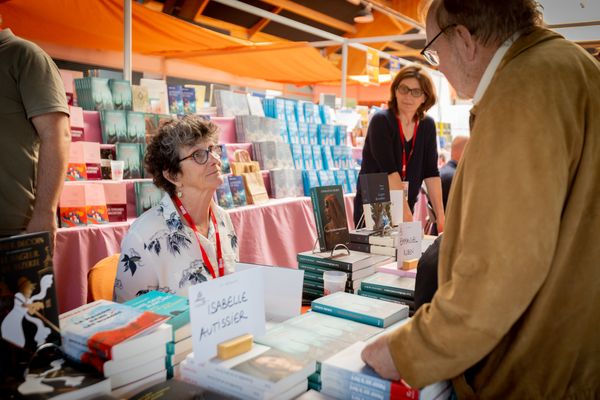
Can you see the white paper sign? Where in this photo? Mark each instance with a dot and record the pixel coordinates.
(225, 308)
(408, 241)
(397, 199)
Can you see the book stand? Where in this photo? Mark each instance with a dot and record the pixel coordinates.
(337, 246)
(234, 347)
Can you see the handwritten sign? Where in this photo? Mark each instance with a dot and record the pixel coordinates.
(225, 308)
(408, 241)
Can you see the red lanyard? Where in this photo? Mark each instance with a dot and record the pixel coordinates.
(192, 225)
(414, 140)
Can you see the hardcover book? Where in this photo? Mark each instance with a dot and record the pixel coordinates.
(352, 276)
(147, 195)
(223, 192)
(131, 154)
(136, 127)
(360, 309)
(114, 126)
(105, 328)
(348, 261)
(28, 310)
(330, 216)
(392, 285)
(238, 191)
(121, 94)
(374, 188)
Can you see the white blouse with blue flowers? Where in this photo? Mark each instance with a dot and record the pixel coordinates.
(161, 253)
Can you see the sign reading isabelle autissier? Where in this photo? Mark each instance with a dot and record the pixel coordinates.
(225, 308)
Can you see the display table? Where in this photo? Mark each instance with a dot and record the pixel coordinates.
(268, 234)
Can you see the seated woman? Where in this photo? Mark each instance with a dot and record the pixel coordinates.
(186, 238)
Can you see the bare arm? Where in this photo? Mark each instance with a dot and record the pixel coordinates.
(55, 139)
(434, 188)
(395, 183)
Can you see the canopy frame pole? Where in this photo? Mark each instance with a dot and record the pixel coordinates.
(127, 21)
(344, 72)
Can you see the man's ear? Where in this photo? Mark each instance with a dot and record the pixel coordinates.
(174, 179)
(465, 42)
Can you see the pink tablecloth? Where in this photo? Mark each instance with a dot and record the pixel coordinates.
(269, 234)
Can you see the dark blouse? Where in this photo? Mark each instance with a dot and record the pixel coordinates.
(383, 153)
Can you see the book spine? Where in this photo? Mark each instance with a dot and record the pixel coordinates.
(378, 296)
(357, 238)
(341, 266)
(388, 290)
(318, 222)
(351, 315)
(319, 269)
(349, 385)
(364, 247)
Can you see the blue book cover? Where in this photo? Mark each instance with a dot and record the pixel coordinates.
(337, 156)
(238, 191)
(188, 98)
(297, 155)
(313, 134)
(317, 157)
(340, 135)
(341, 179)
(327, 157)
(310, 180)
(224, 197)
(175, 100)
(360, 309)
(303, 133)
(307, 157)
(225, 166)
(177, 308)
(293, 132)
(352, 178)
(325, 178)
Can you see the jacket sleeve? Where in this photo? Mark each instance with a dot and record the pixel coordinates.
(430, 154)
(381, 144)
(500, 237)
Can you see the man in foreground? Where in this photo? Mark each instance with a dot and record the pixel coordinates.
(516, 312)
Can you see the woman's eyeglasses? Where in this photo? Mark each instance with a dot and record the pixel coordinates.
(201, 155)
(403, 89)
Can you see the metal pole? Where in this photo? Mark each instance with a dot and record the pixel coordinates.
(344, 71)
(127, 40)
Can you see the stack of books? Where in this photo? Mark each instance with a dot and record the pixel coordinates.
(318, 336)
(374, 241)
(346, 376)
(390, 287)
(356, 264)
(262, 373)
(125, 344)
(177, 309)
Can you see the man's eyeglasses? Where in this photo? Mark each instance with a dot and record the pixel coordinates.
(201, 155)
(431, 55)
(403, 89)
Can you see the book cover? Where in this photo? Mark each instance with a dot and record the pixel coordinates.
(377, 216)
(174, 389)
(76, 123)
(385, 297)
(91, 157)
(76, 169)
(157, 95)
(223, 193)
(175, 99)
(101, 95)
(330, 216)
(188, 98)
(114, 126)
(116, 200)
(102, 325)
(139, 98)
(348, 261)
(147, 195)
(345, 375)
(71, 206)
(352, 276)
(238, 191)
(374, 188)
(52, 376)
(136, 127)
(28, 310)
(177, 308)
(131, 154)
(360, 309)
(225, 166)
(121, 94)
(95, 204)
(309, 180)
(392, 285)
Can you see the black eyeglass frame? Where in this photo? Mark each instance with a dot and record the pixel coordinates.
(403, 89)
(211, 149)
(426, 52)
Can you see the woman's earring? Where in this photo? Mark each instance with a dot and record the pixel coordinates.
(179, 193)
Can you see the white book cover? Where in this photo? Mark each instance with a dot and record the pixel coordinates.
(113, 367)
(126, 391)
(140, 372)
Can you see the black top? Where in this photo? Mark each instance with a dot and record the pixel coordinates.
(446, 174)
(383, 153)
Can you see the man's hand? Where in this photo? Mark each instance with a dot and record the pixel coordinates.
(377, 355)
(41, 222)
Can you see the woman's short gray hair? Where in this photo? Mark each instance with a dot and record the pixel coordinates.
(162, 154)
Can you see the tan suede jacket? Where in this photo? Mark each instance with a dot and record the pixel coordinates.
(517, 312)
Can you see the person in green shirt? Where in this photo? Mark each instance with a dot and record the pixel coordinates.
(34, 137)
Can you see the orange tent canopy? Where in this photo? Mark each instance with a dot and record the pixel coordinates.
(98, 24)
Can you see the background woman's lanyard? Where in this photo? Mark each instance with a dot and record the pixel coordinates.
(403, 140)
(192, 225)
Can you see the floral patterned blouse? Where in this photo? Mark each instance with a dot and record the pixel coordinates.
(159, 252)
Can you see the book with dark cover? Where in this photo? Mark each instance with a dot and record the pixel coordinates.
(238, 191)
(347, 261)
(51, 375)
(374, 188)
(28, 307)
(224, 197)
(330, 216)
(188, 96)
(178, 390)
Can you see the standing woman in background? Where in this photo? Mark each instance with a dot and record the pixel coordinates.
(401, 141)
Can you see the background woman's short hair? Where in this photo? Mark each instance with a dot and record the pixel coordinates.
(413, 71)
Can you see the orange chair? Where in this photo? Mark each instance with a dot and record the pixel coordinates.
(101, 278)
